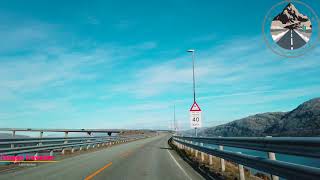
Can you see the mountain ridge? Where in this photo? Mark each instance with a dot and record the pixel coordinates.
(291, 18)
(301, 121)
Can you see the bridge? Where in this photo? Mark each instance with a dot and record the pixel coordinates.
(130, 154)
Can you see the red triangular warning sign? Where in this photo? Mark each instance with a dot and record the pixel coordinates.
(195, 107)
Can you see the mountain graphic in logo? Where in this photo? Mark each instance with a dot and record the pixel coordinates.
(291, 29)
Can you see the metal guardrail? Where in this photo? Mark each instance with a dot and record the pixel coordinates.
(301, 146)
(16, 145)
(64, 130)
(47, 139)
(276, 168)
(36, 145)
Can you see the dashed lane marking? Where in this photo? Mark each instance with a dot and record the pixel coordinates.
(99, 171)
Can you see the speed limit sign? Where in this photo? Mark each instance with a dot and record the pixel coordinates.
(195, 116)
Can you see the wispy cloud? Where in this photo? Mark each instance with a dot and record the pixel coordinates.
(241, 63)
(46, 73)
(20, 34)
(42, 75)
(150, 106)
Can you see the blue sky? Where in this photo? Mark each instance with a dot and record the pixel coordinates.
(123, 64)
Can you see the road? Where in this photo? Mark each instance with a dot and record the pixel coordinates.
(291, 40)
(149, 158)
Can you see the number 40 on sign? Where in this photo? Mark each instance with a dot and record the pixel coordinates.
(195, 116)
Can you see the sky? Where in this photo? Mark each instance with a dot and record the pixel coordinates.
(123, 64)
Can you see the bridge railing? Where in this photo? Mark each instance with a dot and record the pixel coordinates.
(19, 146)
(299, 146)
(30, 145)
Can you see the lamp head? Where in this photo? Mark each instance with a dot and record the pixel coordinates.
(190, 50)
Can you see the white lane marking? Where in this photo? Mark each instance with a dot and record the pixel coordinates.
(179, 165)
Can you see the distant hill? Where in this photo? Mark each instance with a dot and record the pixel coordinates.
(302, 121)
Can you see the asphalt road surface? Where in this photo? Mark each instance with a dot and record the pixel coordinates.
(149, 158)
(291, 40)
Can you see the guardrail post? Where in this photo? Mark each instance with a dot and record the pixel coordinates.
(72, 150)
(191, 148)
(210, 159)
(223, 166)
(41, 135)
(272, 156)
(188, 148)
(13, 136)
(196, 153)
(51, 153)
(66, 136)
(80, 148)
(241, 171)
(36, 156)
(202, 153)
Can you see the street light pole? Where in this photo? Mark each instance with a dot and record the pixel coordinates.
(174, 119)
(194, 83)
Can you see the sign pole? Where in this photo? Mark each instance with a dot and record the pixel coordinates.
(194, 85)
(194, 82)
(174, 119)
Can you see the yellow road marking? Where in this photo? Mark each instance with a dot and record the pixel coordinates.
(99, 171)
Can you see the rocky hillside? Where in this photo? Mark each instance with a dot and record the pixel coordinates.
(291, 18)
(302, 121)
